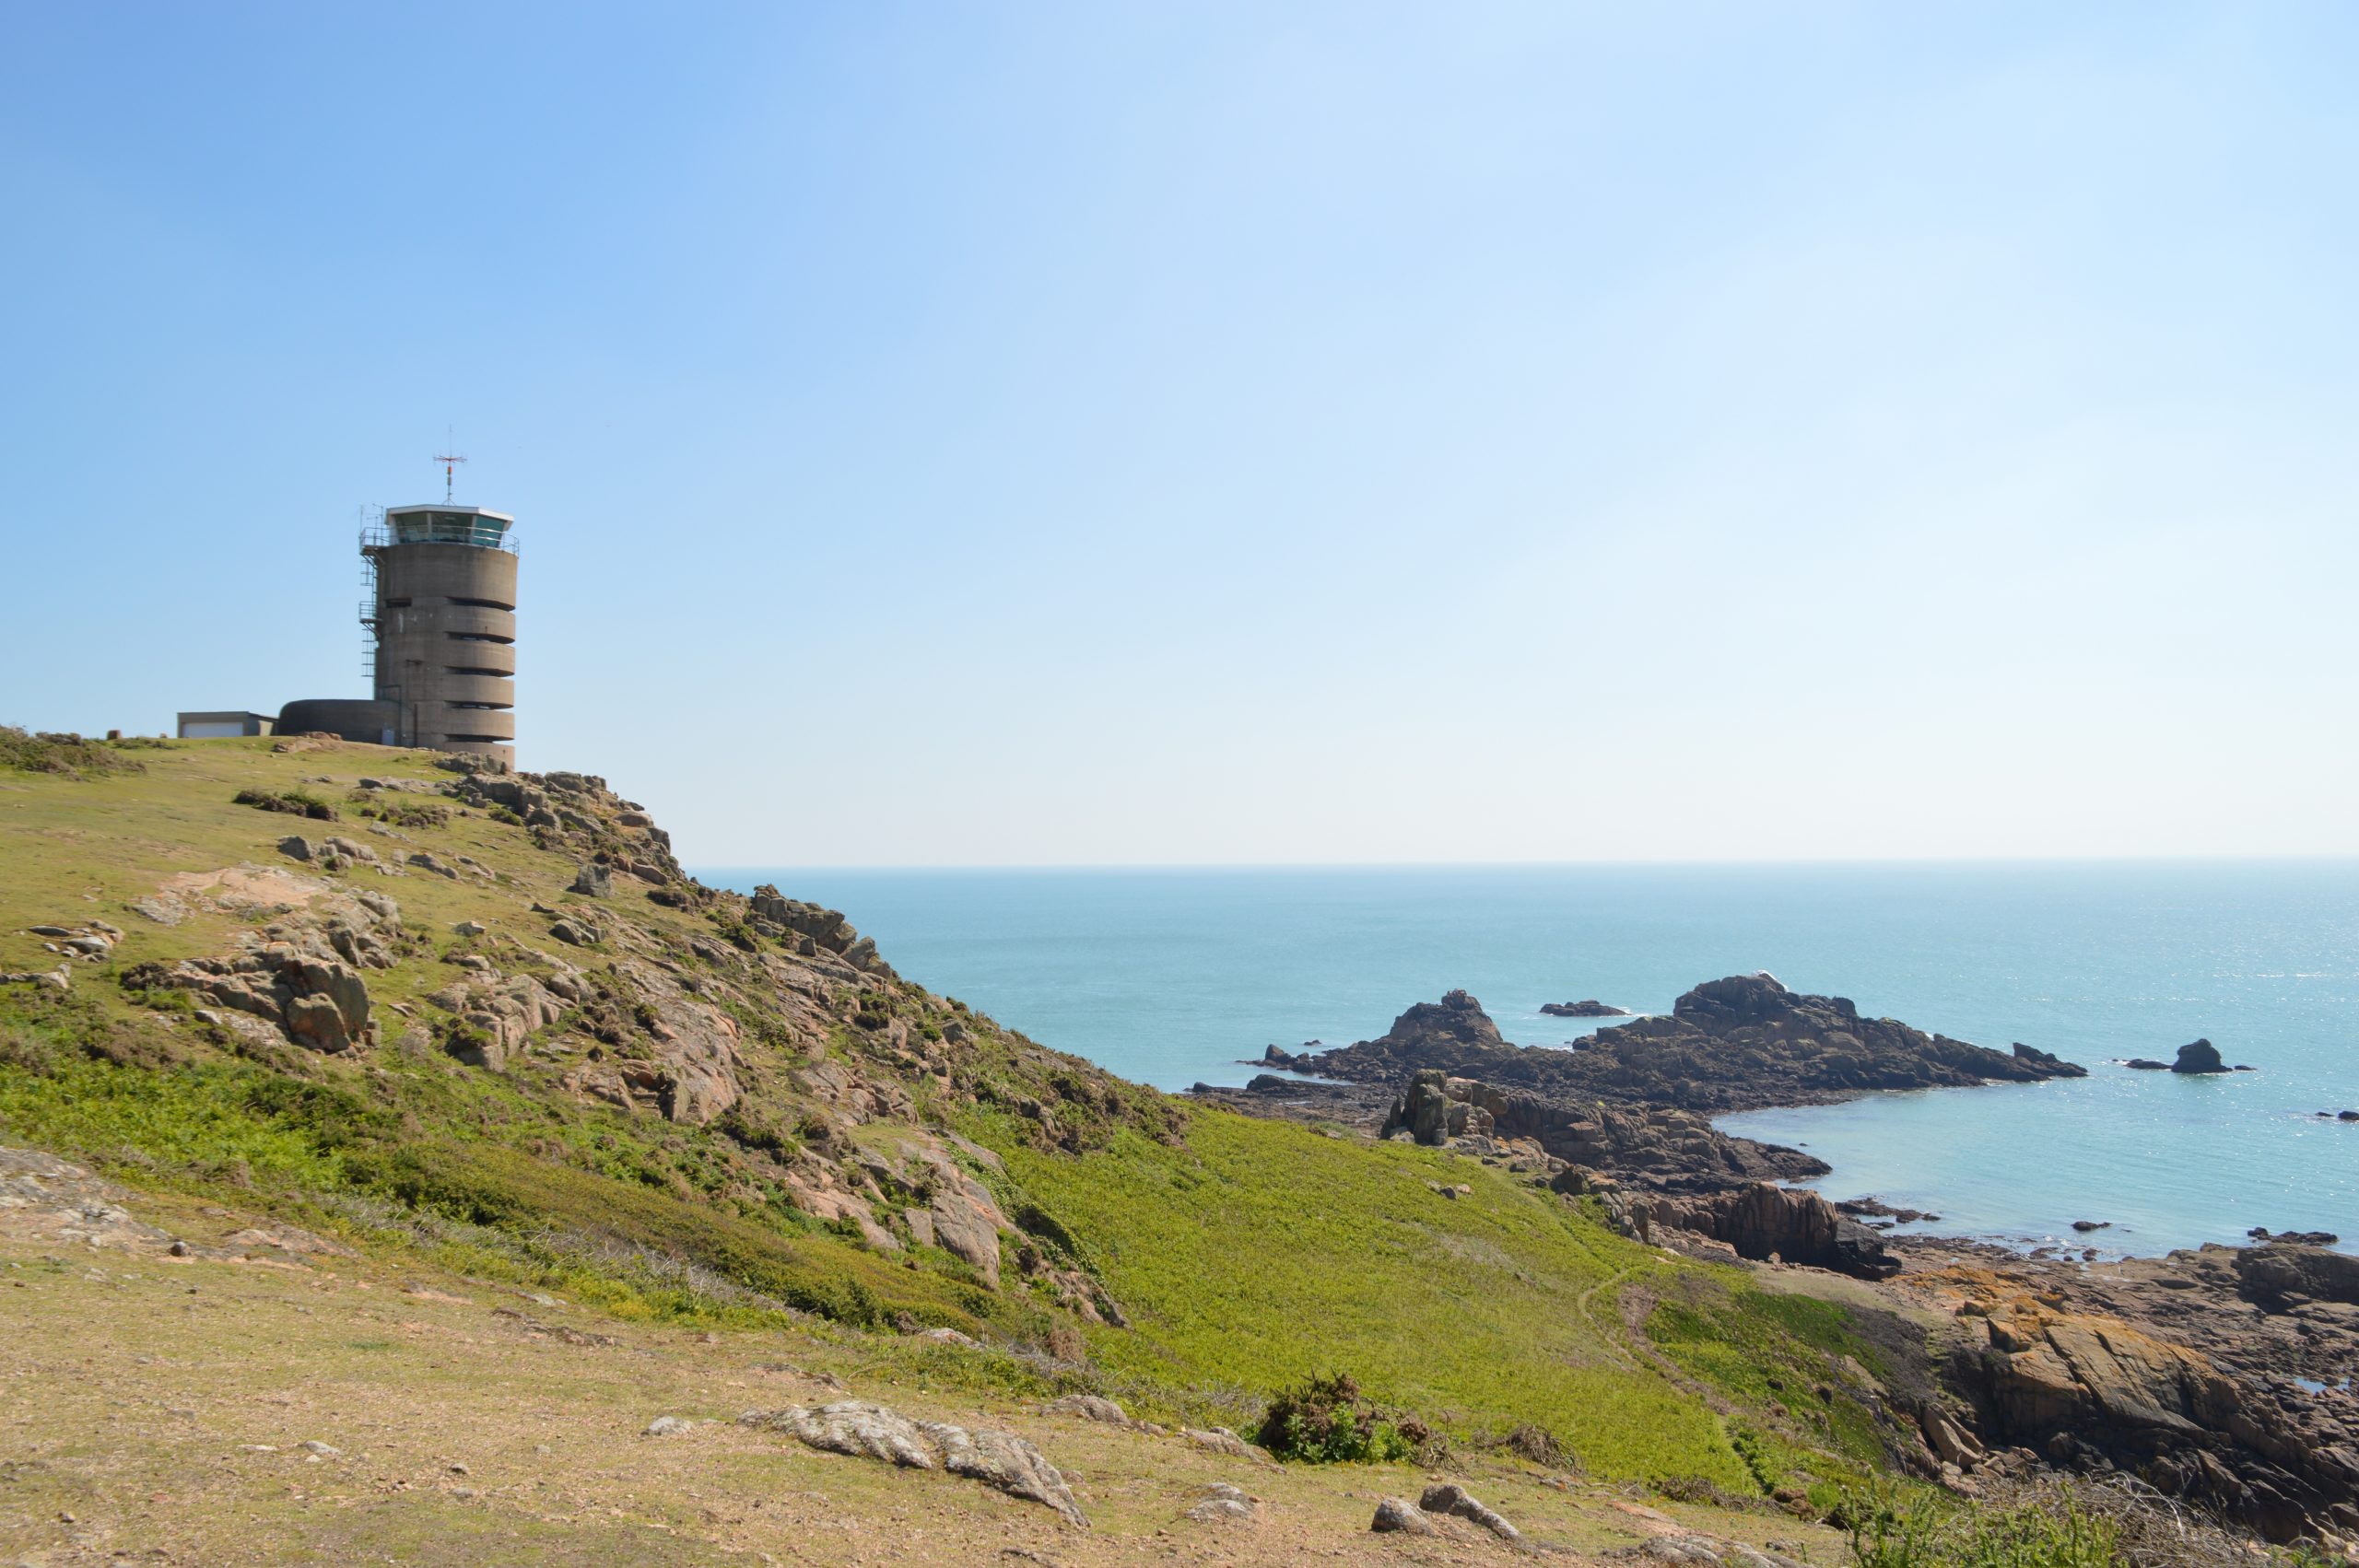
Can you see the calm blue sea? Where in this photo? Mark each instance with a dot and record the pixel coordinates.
(1170, 976)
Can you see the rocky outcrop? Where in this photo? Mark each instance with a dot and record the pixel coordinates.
(1671, 1150)
(1736, 1043)
(2283, 1277)
(1764, 1222)
(303, 974)
(2222, 1375)
(498, 1016)
(1457, 1020)
(2097, 1392)
(999, 1460)
(2198, 1055)
(1592, 1008)
(814, 929)
(576, 813)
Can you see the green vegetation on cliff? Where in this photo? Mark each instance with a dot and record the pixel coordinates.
(683, 1104)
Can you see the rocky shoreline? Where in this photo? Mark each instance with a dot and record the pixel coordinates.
(2219, 1376)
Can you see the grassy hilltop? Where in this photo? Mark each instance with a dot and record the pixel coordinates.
(684, 1114)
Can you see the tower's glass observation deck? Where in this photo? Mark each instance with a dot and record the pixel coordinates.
(448, 524)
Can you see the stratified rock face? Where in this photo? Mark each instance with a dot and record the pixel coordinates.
(2198, 1055)
(2094, 1392)
(998, 1459)
(1729, 1045)
(1762, 1222)
(1654, 1145)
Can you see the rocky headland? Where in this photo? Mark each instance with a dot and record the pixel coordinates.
(1737, 1044)
(2222, 1378)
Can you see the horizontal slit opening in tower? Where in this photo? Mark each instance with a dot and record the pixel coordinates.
(484, 604)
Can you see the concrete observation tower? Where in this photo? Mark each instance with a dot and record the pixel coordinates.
(443, 611)
(441, 620)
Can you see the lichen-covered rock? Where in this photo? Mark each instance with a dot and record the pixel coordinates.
(1088, 1407)
(316, 1021)
(293, 979)
(1449, 1497)
(1396, 1517)
(695, 1043)
(999, 1460)
(1221, 1502)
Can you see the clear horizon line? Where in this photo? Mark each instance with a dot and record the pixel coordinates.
(1798, 862)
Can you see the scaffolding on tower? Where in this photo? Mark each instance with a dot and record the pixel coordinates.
(373, 538)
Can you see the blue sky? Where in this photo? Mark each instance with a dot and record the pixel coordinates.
(1203, 433)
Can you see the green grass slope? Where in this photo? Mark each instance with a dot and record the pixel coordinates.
(1244, 1255)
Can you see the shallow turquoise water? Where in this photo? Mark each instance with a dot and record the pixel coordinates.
(1171, 975)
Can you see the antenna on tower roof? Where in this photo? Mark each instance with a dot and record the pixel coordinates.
(448, 460)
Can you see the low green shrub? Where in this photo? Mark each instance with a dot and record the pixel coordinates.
(294, 802)
(1324, 1421)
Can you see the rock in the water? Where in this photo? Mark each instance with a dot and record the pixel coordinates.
(1456, 1019)
(1735, 1044)
(1450, 1498)
(1395, 1516)
(2146, 1064)
(2198, 1055)
(1589, 1008)
(2092, 1224)
(998, 1459)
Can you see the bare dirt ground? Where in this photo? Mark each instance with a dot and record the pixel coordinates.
(264, 1399)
